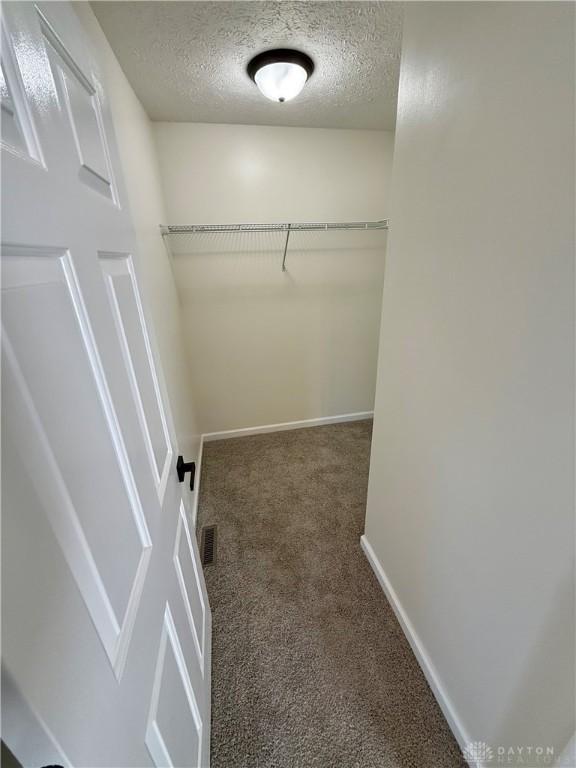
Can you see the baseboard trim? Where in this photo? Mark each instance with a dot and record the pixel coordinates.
(208, 437)
(462, 737)
(568, 757)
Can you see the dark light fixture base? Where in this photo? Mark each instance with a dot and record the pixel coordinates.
(288, 55)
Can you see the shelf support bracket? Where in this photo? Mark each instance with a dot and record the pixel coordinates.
(285, 249)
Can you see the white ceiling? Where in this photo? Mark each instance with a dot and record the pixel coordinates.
(187, 60)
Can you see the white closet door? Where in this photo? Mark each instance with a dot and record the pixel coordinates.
(106, 622)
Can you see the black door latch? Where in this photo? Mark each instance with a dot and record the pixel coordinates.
(186, 466)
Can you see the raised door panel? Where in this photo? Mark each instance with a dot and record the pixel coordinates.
(29, 737)
(120, 278)
(174, 732)
(79, 99)
(71, 432)
(18, 129)
(12, 133)
(186, 563)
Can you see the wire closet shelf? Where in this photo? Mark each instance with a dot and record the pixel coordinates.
(191, 229)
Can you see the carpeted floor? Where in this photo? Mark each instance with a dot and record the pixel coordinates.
(310, 667)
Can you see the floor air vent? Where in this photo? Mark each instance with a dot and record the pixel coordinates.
(208, 545)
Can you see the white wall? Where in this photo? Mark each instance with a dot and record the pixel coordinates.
(137, 151)
(266, 346)
(471, 492)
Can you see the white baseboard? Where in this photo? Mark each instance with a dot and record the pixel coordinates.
(462, 737)
(568, 758)
(226, 434)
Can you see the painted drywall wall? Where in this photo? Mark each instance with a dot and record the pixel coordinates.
(266, 346)
(471, 492)
(137, 152)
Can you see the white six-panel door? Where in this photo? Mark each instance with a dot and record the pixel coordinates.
(105, 619)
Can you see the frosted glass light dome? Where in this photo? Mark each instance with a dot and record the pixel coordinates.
(280, 74)
(281, 81)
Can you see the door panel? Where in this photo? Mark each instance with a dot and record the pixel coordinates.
(126, 306)
(106, 622)
(18, 130)
(186, 561)
(79, 99)
(12, 131)
(54, 370)
(30, 738)
(174, 730)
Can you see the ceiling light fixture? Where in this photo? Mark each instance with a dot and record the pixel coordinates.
(280, 74)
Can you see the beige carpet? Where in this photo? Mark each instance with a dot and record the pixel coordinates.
(310, 666)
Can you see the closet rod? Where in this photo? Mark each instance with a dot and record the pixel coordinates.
(189, 229)
(195, 229)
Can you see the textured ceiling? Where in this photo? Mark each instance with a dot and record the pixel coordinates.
(187, 60)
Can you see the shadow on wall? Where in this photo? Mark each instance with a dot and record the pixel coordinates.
(268, 346)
